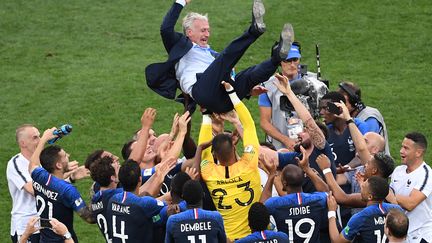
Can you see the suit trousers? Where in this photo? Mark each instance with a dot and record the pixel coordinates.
(208, 91)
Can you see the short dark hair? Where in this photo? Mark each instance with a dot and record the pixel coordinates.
(293, 175)
(126, 150)
(177, 184)
(397, 222)
(418, 139)
(129, 175)
(97, 154)
(49, 157)
(378, 187)
(258, 217)
(101, 171)
(334, 96)
(192, 192)
(384, 163)
(222, 146)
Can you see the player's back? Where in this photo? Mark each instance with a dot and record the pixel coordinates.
(55, 198)
(368, 224)
(99, 207)
(195, 225)
(130, 217)
(265, 236)
(299, 215)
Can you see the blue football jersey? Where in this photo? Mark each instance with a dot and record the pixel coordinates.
(55, 198)
(99, 205)
(265, 236)
(368, 224)
(299, 215)
(195, 225)
(131, 217)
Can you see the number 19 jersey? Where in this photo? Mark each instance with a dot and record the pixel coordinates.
(299, 215)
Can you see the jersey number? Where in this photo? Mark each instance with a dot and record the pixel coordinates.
(378, 235)
(42, 205)
(122, 234)
(305, 235)
(101, 221)
(201, 238)
(246, 185)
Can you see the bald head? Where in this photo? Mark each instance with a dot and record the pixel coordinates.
(375, 142)
(292, 176)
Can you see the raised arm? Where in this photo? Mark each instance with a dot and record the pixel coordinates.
(335, 236)
(168, 34)
(351, 200)
(314, 131)
(250, 137)
(147, 120)
(182, 130)
(35, 160)
(356, 135)
(271, 167)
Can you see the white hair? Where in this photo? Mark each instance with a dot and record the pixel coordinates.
(190, 18)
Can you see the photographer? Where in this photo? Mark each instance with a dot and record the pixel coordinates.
(275, 109)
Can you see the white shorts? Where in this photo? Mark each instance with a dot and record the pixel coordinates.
(416, 236)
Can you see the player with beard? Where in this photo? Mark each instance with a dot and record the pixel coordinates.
(312, 138)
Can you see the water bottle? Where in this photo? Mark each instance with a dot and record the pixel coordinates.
(60, 132)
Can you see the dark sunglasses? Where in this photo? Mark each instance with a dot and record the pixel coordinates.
(294, 59)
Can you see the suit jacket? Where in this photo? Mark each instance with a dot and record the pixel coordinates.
(161, 77)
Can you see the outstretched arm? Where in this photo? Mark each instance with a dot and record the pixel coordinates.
(147, 120)
(351, 200)
(335, 236)
(314, 131)
(356, 135)
(35, 160)
(168, 34)
(178, 142)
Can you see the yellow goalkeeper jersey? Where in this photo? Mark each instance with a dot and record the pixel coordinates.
(234, 188)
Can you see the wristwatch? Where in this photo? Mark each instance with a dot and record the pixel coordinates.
(67, 236)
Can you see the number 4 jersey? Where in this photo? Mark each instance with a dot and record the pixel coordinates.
(195, 226)
(55, 198)
(299, 215)
(130, 217)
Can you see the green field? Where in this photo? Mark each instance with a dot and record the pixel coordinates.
(81, 62)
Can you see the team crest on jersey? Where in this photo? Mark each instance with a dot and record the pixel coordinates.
(78, 202)
(147, 172)
(249, 149)
(160, 203)
(347, 228)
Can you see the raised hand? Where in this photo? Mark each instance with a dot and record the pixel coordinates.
(323, 161)
(174, 126)
(80, 173)
(345, 112)
(230, 116)
(48, 134)
(183, 121)
(192, 172)
(304, 162)
(282, 84)
(148, 117)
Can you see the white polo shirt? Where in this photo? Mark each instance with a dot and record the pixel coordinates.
(23, 203)
(421, 179)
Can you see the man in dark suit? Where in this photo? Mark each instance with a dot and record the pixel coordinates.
(198, 70)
